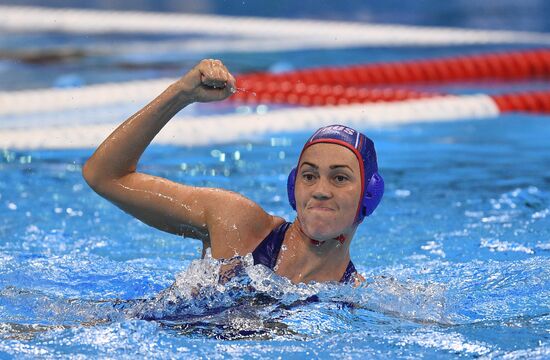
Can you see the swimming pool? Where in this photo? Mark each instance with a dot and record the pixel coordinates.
(456, 257)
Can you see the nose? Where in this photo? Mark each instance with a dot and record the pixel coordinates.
(322, 189)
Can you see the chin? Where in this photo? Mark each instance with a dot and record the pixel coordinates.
(320, 229)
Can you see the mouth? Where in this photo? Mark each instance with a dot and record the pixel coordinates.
(320, 208)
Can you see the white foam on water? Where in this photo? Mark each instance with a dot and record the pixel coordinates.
(206, 285)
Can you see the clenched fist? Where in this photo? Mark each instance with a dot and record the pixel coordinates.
(208, 81)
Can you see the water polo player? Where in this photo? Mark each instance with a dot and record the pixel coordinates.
(334, 186)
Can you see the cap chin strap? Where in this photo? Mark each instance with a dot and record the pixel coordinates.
(340, 238)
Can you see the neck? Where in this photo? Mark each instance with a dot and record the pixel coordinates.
(325, 261)
(339, 243)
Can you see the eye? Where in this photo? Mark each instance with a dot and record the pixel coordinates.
(308, 177)
(340, 178)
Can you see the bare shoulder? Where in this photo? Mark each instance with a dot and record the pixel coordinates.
(236, 224)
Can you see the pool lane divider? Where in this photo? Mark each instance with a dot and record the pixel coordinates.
(504, 66)
(346, 85)
(18, 103)
(301, 94)
(319, 88)
(309, 87)
(532, 101)
(295, 33)
(223, 129)
(97, 95)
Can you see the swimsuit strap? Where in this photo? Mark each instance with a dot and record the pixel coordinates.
(267, 251)
(349, 274)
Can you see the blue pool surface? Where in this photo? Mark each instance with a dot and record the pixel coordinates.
(457, 256)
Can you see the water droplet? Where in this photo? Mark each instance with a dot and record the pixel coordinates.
(245, 91)
(402, 193)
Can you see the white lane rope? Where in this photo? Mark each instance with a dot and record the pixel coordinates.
(50, 100)
(211, 130)
(300, 32)
(83, 117)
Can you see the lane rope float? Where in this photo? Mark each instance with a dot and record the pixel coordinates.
(224, 129)
(506, 66)
(321, 86)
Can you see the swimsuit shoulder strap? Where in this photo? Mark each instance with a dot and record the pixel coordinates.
(267, 251)
(349, 274)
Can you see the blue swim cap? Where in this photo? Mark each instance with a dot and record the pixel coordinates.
(363, 148)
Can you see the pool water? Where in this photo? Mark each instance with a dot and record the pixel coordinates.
(456, 257)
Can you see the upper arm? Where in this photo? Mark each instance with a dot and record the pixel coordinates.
(228, 222)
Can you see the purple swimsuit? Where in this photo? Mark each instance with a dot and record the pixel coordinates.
(267, 252)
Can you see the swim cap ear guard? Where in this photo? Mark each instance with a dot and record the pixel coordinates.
(363, 148)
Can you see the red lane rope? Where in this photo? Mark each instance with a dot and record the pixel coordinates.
(497, 66)
(534, 101)
(314, 95)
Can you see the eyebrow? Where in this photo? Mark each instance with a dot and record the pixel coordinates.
(331, 166)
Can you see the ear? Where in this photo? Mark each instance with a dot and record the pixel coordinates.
(290, 186)
(373, 194)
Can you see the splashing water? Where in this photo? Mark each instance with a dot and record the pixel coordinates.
(234, 298)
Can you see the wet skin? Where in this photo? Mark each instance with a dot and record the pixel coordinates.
(327, 190)
(328, 187)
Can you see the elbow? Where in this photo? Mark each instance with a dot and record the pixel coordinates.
(93, 176)
(98, 178)
(89, 174)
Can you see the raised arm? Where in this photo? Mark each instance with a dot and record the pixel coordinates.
(227, 221)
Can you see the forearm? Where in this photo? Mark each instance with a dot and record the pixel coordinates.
(118, 155)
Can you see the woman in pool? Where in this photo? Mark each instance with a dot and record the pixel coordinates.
(335, 185)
